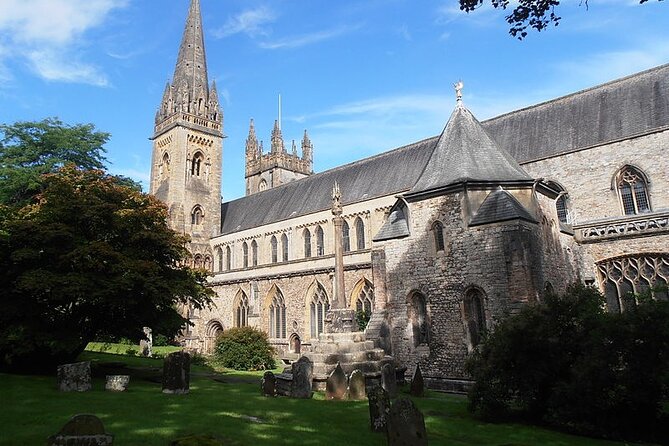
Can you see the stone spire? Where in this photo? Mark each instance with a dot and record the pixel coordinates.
(307, 148)
(252, 146)
(277, 139)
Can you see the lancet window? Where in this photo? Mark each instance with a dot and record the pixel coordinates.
(197, 215)
(346, 237)
(318, 307)
(228, 258)
(320, 241)
(417, 313)
(307, 243)
(360, 233)
(438, 233)
(254, 252)
(245, 255)
(197, 164)
(273, 245)
(474, 315)
(284, 248)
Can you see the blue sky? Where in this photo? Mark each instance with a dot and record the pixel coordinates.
(362, 76)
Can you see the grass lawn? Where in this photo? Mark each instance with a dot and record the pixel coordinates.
(229, 406)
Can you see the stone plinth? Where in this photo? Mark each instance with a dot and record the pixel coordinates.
(340, 321)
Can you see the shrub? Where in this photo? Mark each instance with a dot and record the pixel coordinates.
(362, 318)
(160, 340)
(244, 348)
(569, 363)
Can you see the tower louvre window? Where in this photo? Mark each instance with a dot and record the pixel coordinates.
(197, 215)
(196, 164)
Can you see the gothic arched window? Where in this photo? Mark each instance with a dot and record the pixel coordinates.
(165, 166)
(360, 233)
(198, 261)
(561, 202)
(228, 258)
(219, 257)
(474, 315)
(365, 300)
(284, 248)
(438, 232)
(318, 306)
(208, 263)
(320, 241)
(245, 255)
(346, 237)
(254, 253)
(242, 310)
(277, 316)
(197, 163)
(273, 246)
(632, 190)
(307, 243)
(417, 313)
(197, 215)
(262, 185)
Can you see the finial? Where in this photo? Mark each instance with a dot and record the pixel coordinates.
(336, 200)
(459, 85)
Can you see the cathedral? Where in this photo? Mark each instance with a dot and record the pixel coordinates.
(433, 241)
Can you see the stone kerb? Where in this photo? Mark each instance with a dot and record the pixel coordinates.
(82, 430)
(117, 383)
(176, 373)
(406, 425)
(74, 377)
(336, 385)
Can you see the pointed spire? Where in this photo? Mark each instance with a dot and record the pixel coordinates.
(307, 148)
(277, 139)
(252, 147)
(294, 148)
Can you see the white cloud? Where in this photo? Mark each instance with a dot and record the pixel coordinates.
(48, 33)
(250, 22)
(308, 39)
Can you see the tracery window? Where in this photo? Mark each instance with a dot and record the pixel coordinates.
(320, 242)
(365, 300)
(438, 232)
(273, 246)
(245, 255)
(360, 233)
(633, 191)
(624, 278)
(242, 311)
(198, 261)
(228, 258)
(277, 316)
(417, 314)
(346, 237)
(474, 314)
(197, 215)
(196, 164)
(318, 307)
(284, 248)
(254, 252)
(307, 243)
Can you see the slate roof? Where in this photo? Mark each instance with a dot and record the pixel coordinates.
(609, 112)
(395, 226)
(465, 152)
(500, 206)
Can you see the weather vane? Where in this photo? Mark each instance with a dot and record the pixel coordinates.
(459, 85)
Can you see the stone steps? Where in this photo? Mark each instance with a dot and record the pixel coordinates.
(331, 347)
(322, 371)
(374, 354)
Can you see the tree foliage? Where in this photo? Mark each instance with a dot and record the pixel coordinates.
(92, 257)
(569, 363)
(532, 14)
(29, 150)
(244, 348)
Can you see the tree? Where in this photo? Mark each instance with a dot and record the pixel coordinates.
(536, 14)
(30, 149)
(92, 257)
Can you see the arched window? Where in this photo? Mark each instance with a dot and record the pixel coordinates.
(208, 263)
(561, 202)
(360, 233)
(273, 246)
(365, 299)
(284, 248)
(306, 235)
(474, 315)
(320, 242)
(318, 306)
(633, 190)
(438, 232)
(228, 258)
(245, 255)
(346, 237)
(277, 315)
(197, 164)
(197, 215)
(254, 252)
(165, 166)
(198, 261)
(262, 185)
(219, 257)
(242, 310)
(417, 313)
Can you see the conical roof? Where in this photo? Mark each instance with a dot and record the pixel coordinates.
(466, 153)
(191, 67)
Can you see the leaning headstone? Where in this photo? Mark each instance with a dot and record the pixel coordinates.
(176, 373)
(389, 380)
(117, 383)
(379, 408)
(145, 345)
(82, 430)
(336, 384)
(417, 384)
(268, 384)
(356, 386)
(74, 377)
(303, 372)
(406, 425)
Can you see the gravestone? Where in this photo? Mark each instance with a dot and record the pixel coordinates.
(389, 380)
(82, 430)
(74, 377)
(379, 408)
(356, 386)
(406, 425)
(336, 384)
(117, 383)
(303, 372)
(417, 383)
(176, 373)
(284, 382)
(268, 384)
(145, 345)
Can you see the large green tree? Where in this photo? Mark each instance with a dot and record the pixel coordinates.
(92, 257)
(29, 150)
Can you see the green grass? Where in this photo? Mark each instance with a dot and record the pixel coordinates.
(223, 404)
(122, 349)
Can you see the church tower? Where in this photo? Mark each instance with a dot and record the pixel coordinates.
(188, 145)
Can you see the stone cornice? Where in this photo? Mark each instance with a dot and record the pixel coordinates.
(640, 225)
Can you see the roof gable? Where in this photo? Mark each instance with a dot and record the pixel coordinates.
(500, 206)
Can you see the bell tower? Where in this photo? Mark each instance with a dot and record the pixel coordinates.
(188, 145)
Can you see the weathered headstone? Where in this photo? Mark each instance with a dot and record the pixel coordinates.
(406, 425)
(82, 430)
(417, 384)
(389, 380)
(303, 371)
(336, 384)
(356, 386)
(145, 345)
(379, 408)
(74, 377)
(117, 383)
(268, 384)
(176, 373)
